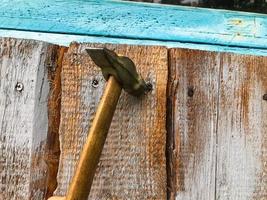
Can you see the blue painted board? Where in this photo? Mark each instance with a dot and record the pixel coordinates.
(66, 39)
(136, 21)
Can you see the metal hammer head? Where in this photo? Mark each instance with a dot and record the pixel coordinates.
(122, 68)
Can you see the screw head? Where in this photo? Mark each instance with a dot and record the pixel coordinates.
(95, 83)
(19, 87)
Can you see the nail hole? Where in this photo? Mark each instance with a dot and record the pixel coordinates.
(190, 92)
(19, 87)
(264, 97)
(149, 87)
(95, 83)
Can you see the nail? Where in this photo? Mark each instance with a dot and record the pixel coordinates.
(149, 87)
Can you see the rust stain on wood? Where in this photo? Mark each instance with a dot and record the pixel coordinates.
(260, 191)
(242, 140)
(192, 124)
(221, 92)
(133, 162)
(216, 124)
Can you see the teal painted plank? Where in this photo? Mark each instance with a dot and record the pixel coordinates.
(127, 20)
(65, 40)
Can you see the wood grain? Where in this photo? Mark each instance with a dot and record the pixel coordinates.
(133, 164)
(242, 129)
(137, 21)
(217, 125)
(24, 117)
(52, 151)
(192, 119)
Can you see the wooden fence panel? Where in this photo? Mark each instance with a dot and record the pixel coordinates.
(216, 123)
(133, 164)
(217, 126)
(192, 105)
(242, 129)
(24, 89)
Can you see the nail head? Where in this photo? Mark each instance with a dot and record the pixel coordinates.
(149, 87)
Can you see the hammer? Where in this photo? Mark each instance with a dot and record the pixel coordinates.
(120, 72)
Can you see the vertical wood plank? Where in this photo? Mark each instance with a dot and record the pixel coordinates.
(24, 89)
(217, 140)
(242, 129)
(192, 105)
(133, 163)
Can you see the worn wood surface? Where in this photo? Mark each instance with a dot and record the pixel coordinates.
(133, 164)
(66, 39)
(192, 119)
(52, 150)
(24, 89)
(242, 129)
(138, 21)
(217, 126)
(216, 122)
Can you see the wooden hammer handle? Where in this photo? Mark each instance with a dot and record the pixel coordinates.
(81, 183)
(57, 198)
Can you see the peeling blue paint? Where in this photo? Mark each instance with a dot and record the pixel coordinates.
(65, 40)
(139, 23)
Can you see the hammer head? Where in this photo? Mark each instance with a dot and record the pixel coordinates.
(121, 67)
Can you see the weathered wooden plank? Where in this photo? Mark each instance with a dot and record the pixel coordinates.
(242, 127)
(217, 138)
(128, 20)
(133, 164)
(192, 119)
(24, 89)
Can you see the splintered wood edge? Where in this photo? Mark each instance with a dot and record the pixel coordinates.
(54, 106)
